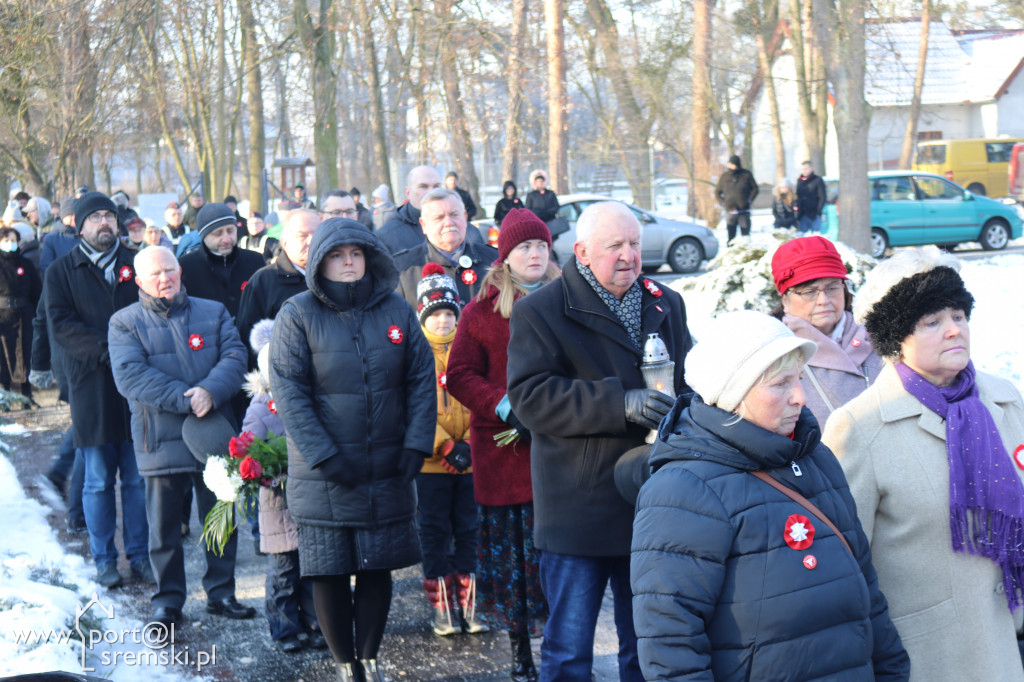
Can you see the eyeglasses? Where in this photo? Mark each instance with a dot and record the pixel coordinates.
(811, 293)
(99, 216)
(342, 213)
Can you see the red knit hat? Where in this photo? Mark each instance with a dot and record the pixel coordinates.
(804, 259)
(519, 225)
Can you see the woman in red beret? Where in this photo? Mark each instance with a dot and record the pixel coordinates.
(816, 305)
(508, 569)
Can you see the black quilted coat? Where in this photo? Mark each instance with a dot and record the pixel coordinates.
(352, 382)
(719, 593)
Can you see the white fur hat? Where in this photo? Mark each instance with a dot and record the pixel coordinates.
(734, 351)
(260, 334)
(891, 272)
(381, 192)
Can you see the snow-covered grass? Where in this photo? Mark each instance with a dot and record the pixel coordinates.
(41, 590)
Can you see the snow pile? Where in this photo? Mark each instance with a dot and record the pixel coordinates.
(997, 323)
(41, 590)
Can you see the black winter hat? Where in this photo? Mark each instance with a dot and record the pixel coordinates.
(736, 161)
(895, 316)
(230, 199)
(89, 203)
(212, 216)
(435, 291)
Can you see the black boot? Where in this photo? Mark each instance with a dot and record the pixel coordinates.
(349, 672)
(523, 669)
(372, 672)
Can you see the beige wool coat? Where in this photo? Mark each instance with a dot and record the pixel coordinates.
(948, 607)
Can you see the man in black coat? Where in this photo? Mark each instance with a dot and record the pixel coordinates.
(174, 356)
(363, 214)
(810, 198)
(451, 181)
(574, 381)
(736, 191)
(443, 220)
(83, 289)
(219, 270)
(274, 284)
(403, 230)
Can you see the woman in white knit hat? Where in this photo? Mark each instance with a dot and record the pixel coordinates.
(748, 561)
(933, 451)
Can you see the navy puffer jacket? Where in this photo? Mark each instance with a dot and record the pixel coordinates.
(157, 352)
(719, 594)
(352, 379)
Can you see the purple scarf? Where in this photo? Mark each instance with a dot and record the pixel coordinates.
(986, 497)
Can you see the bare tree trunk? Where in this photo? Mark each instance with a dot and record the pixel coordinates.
(514, 79)
(701, 142)
(461, 144)
(804, 87)
(318, 37)
(254, 89)
(222, 161)
(842, 24)
(910, 136)
(558, 115)
(769, 91)
(378, 125)
(815, 52)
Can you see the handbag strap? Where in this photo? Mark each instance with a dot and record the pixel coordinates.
(803, 502)
(817, 386)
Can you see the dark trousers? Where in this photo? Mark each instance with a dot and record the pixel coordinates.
(289, 602)
(741, 218)
(447, 515)
(163, 509)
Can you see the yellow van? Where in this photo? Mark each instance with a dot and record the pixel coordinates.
(979, 166)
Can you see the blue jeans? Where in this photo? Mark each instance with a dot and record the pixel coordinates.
(103, 464)
(810, 224)
(574, 587)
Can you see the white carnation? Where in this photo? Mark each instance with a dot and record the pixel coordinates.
(225, 486)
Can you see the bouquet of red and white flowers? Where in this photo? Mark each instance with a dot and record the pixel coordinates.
(236, 479)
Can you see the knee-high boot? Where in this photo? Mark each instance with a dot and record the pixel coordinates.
(523, 669)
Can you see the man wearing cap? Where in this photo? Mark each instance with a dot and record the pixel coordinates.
(196, 201)
(274, 284)
(540, 199)
(363, 214)
(443, 221)
(82, 291)
(811, 196)
(218, 269)
(383, 208)
(174, 356)
(736, 190)
(174, 229)
(256, 237)
(299, 194)
(574, 380)
(231, 202)
(451, 181)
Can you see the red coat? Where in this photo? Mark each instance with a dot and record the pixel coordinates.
(476, 378)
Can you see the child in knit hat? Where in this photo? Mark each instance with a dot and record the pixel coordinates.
(445, 483)
(288, 606)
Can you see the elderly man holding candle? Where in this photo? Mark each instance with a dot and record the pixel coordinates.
(575, 382)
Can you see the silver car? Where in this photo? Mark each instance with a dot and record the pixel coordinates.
(683, 245)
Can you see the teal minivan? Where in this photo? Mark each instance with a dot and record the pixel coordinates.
(911, 208)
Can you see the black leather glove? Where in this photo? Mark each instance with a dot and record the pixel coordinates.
(459, 457)
(647, 407)
(333, 469)
(410, 463)
(513, 421)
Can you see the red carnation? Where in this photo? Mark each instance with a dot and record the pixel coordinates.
(249, 469)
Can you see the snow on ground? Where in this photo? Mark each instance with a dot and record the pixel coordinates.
(41, 590)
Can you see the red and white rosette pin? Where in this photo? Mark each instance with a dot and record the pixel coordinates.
(1018, 456)
(799, 532)
(442, 380)
(20, 270)
(124, 274)
(810, 562)
(195, 342)
(653, 288)
(469, 277)
(395, 334)
(272, 407)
